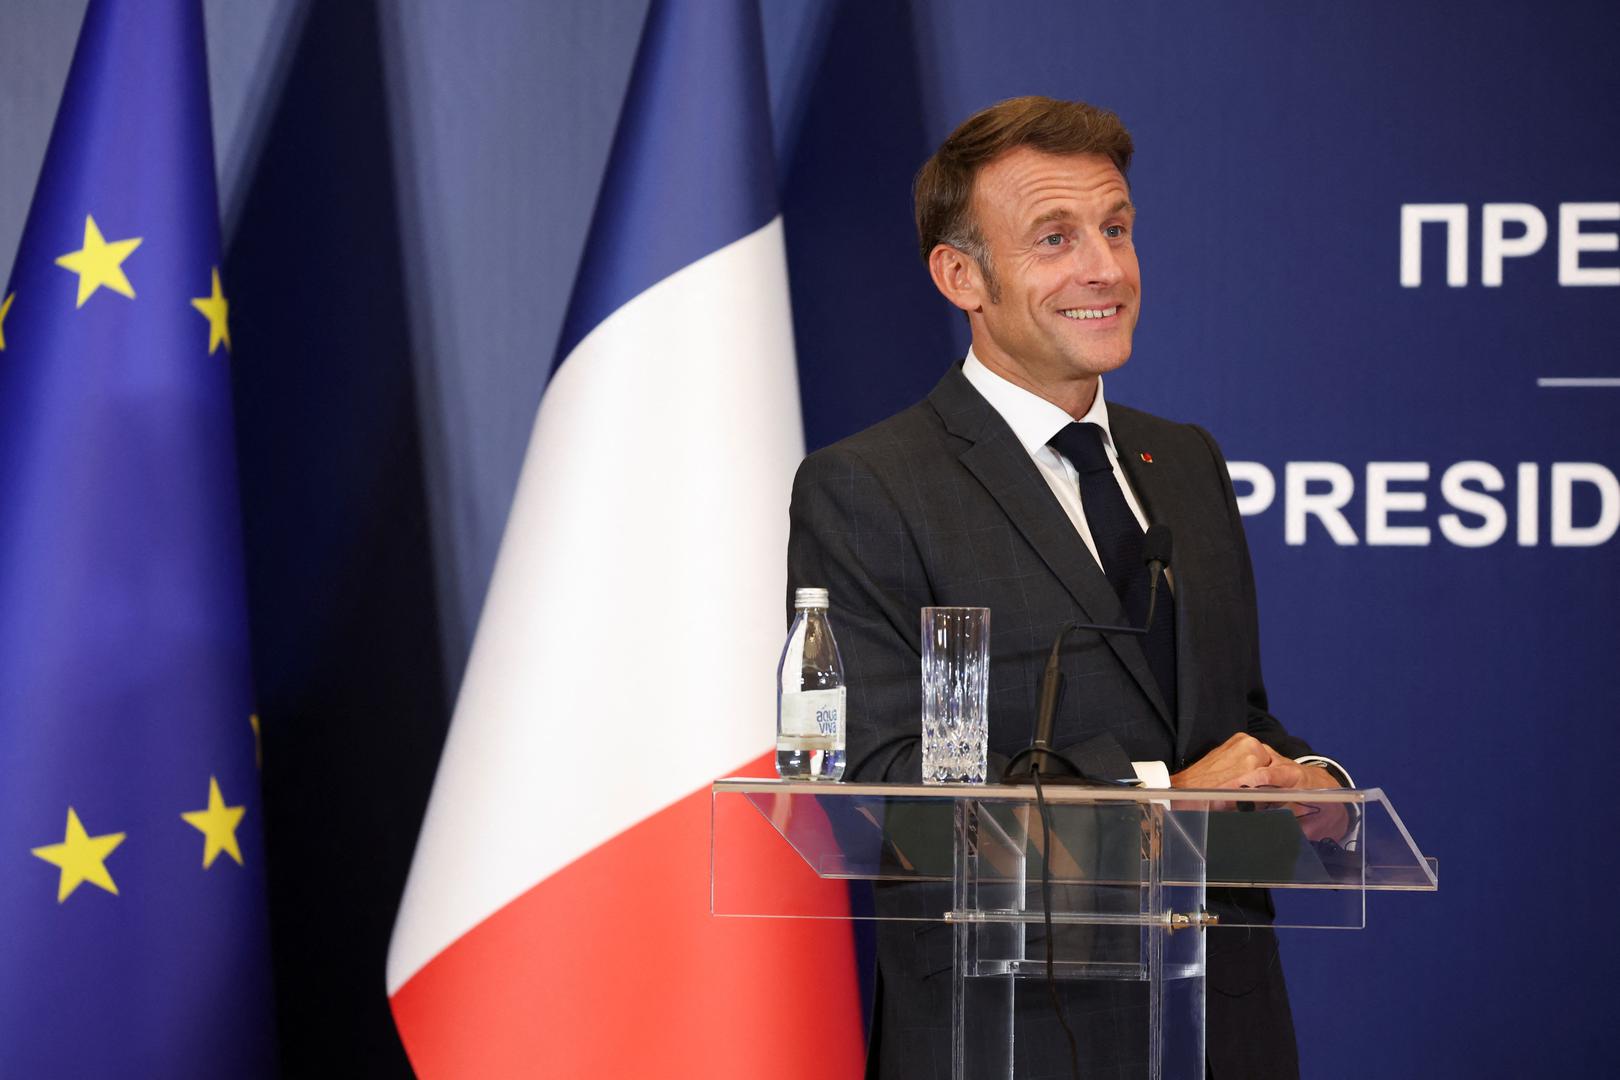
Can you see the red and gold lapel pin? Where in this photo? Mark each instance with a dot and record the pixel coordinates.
(1147, 457)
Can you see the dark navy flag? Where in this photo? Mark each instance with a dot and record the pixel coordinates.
(133, 930)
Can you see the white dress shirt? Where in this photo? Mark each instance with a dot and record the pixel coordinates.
(1034, 420)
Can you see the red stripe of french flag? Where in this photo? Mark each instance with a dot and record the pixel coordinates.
(628, 978)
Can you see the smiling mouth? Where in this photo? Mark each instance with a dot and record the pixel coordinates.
(1089, 313)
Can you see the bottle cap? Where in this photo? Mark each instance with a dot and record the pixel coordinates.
(810, 598)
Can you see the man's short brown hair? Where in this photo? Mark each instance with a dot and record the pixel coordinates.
(943, 191)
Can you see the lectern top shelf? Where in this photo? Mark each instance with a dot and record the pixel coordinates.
(1054, 792)
(1336, 844)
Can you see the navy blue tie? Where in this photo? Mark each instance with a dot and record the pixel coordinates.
(1118, 537)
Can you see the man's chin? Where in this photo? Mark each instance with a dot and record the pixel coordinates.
(1105, 363)
(1096, 353)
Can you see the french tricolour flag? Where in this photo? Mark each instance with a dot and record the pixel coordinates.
(556, 921)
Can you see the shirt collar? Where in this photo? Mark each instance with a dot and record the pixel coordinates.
(1033, 419)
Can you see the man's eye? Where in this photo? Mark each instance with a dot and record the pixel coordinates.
(1114, 232)
(1052, 239)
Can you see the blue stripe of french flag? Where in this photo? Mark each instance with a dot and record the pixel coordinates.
(556, 918)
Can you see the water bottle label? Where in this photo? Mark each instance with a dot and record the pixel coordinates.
(815, 714)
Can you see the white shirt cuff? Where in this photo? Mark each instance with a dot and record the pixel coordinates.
(1330, 765)
(1152, 774)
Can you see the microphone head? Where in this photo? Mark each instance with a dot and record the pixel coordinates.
(1156, 545)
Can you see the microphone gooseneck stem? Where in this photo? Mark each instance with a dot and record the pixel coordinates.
(1155, 569)
(1040, 755)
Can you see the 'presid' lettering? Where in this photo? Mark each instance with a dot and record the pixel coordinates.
(1397, 502)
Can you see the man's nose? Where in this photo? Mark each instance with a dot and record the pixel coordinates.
(1096, 262)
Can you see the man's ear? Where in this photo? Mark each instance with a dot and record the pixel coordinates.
(957, 276)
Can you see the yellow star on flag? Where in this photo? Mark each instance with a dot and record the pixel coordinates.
(218, 825)
(215, 309)
(81, 858)
(99, 263)
(5, 306)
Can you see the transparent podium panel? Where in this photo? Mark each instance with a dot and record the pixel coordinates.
(1078, 908)
(1087, 921)
(1320, 853)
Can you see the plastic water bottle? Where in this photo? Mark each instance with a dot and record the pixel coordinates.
(810, 717)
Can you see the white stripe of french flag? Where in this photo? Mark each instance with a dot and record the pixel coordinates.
(556, 920)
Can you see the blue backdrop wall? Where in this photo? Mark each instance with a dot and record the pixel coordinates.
(1433, 522)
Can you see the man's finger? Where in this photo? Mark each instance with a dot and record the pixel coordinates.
(1269, 776)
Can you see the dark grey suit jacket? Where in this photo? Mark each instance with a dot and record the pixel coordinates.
(941, 505)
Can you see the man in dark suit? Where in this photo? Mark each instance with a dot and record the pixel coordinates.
(1013, 486)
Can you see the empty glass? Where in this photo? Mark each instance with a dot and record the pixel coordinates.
(955, 694)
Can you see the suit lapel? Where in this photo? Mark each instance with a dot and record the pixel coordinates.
(1000, 462)
(1151, 478)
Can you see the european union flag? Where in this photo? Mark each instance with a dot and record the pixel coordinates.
(133, 929)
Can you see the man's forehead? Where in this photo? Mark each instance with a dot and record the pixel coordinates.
(1025, 182)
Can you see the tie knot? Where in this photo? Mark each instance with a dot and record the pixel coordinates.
(1082, 444)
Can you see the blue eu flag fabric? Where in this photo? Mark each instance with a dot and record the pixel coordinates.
(133, 925)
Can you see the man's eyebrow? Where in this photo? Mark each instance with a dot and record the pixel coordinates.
(1124, 206)
(1050, 216)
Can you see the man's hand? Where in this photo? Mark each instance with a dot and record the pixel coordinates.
(1245, 762)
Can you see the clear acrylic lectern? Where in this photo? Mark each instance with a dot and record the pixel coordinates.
(1112, 894)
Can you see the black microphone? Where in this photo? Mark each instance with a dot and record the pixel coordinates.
(1156, 544)
(1039, 757)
